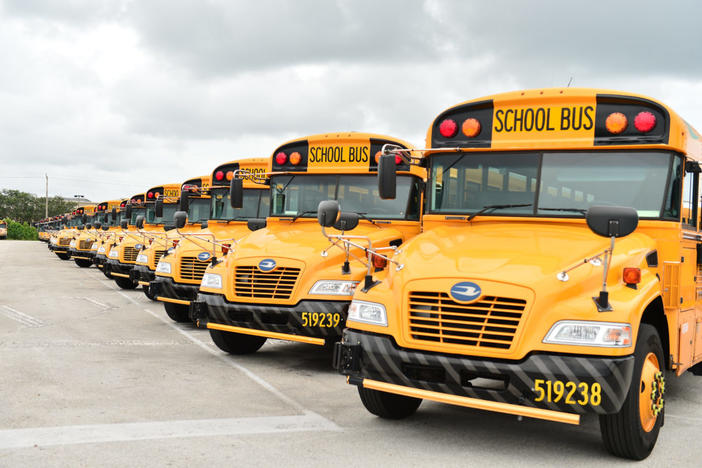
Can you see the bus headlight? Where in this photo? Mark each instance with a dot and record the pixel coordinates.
(141, 258)
(101, 250)
(72, 244)
(334, 288)
(163, 267)
(368, 312)
(93, 246)
(211, 280)
(581, 333)
(114, 253)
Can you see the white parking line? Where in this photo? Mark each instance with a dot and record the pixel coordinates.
(17, 316)
(119, 432)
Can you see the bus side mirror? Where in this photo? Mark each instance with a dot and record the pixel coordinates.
(158, 208)
(256, 224)
(98, 224)
(88, 226)
(114, 214)
(180, 218)
(327, 213)
(184, 204)
(612, 221)
(168, 227)
(84, 219)
(129, 211)
(105, 228)
(124, 224)
(236, 193)
(346, 221)
(140, 222)
(387, 177)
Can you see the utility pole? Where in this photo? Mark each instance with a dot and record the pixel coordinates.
(46, 200)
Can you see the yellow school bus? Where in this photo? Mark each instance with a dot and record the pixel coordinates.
(290, 281)
(144, 227)
(558, 271)
(110, 231)
(179, 274)
(73, 222)
(3, 230)
(198, 204)
(80, 247)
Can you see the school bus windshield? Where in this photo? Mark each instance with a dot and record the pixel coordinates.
(136, 212)
(199, 210)
(256, 205)
(556, 183)
(300, 195)
(168, 212)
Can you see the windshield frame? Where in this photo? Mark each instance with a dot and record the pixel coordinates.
(535, 210)
(415, 183)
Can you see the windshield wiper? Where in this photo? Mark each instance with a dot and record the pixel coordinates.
(488, 208)
(363, 215)
(579, 210)
(302, 213)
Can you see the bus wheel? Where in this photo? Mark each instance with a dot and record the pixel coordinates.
(147, 292)
(177, 312)
(125, 283)
(82, 263)
(63, 256)
(237, 343)
(633, 431)
(388, 405)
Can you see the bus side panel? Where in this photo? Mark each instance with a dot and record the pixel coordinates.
(686, 339)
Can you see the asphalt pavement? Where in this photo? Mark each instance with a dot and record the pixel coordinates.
(92, 375)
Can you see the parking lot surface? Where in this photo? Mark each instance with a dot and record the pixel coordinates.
(92, 375)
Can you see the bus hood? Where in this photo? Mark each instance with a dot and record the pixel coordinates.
(518, 253)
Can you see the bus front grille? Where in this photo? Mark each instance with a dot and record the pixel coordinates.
(64, 241)
(490, 322)
(192, 269)
(277, 284)
(130, 254)
(85, 244)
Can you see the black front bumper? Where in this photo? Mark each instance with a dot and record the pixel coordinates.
(162, 286)
(82, 254)
(99, 260)
(369, 356)
(141, 273)
(115, 266)
(281, 319)
(59, 248)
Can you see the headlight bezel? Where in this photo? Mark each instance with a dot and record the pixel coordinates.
(114, 253)
(347, 288)
(142, 258)
(601, 338)
(356, 309)
(214, 277)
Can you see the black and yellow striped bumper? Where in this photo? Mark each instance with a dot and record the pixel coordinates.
(376, 358)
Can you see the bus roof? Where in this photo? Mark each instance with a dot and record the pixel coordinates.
(169, 192)
(223, 173)
(108, 205)
(563, 118)
(339, 152)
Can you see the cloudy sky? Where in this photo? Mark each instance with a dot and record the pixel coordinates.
(110, 97)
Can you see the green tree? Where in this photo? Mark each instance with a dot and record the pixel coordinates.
(26, 208)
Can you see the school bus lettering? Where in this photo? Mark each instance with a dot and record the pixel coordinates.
(171, 192)
(338, 155)
(542, 119)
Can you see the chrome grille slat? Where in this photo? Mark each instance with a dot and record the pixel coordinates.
(490, 322)
(157, 256)
(249, 281)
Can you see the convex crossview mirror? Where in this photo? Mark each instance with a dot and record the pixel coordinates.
(612, 222)
(256, 224)
(98, 224)
(105, 228)
(184, 204)
(346, 221)
(236, 193)
(387, 177)
(204, 225)
(180, 218)
(158, 208)
(328, 213)
(124, 224)
(140, 222)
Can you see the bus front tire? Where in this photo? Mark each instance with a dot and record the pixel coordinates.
(388, 405)
(237, 343)
(125, 283)
(633, 431)
(83, 263)
(147, 292)
(177, 312)
(63, 256)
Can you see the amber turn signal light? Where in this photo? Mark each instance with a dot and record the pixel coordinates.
(632, 275)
